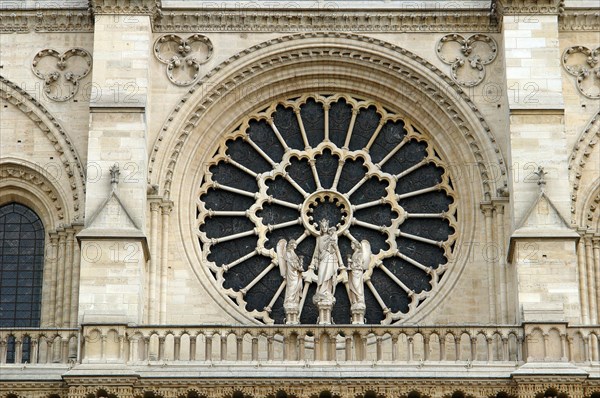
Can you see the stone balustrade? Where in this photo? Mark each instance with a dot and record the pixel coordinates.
(211, 344)
(38, 346)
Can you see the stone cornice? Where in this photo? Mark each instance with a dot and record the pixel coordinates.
(133, 7)
(23, 20)
(295, 20)
(528, 7)
(575, 19)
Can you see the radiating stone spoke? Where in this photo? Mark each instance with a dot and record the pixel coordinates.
(216, 185)
(414, 262)
(269, 307)
(382, 303)
(278, 135)
(264, 272)
(234, 236)
(284, 224)
(378, 228)
(368, 204)
(425, 215)
(260, 151)
(374, 136)
(350, 129)
(302, 130)
(241, 167)
(392, 153)
(395, 278)
(411, 169)
(358, 185)
(225, 213)
(240, 260)
(419, 238)
(285, 203)
(418, 192)
(313, 168)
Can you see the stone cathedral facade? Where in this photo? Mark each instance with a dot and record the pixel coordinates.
(309, 199)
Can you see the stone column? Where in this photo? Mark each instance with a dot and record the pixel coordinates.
(49, 286)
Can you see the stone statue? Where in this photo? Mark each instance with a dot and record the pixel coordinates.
(327, 261)
(358, 263)
(290, 266)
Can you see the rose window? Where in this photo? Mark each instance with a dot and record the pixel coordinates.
(367, 171)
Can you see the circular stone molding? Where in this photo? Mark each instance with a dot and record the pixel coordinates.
(366, 170)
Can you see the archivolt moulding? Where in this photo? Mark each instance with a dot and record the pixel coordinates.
(582, 62)
(69, 159)
(467, 57)
(338, 47)
(61, 71)
(579, 156)
(183, 57)
(25, 173)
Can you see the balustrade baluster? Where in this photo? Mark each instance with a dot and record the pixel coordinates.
(348, 348)
(457, 348)
(18, 349)
(64, 355)
(193, 347)
(301, 348)
(34, 350)
(395, 347)
(208, 347)
(505, 353)
(239, 348)
(254, 348)
(161, 348)
(49, 351)
(473, 348)
(426, 338)
(411, 352)
(146, 356)
(490, 348)
(332, 354)
(442, 347)
(176, 347)
(103, 347)
(223, 347)
(132, 349)
(378, 343)
(270, 350)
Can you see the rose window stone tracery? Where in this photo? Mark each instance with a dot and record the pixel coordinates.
(366, 170)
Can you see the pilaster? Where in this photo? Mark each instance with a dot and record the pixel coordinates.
(114, 250)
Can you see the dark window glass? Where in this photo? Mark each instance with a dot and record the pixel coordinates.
(20, 270)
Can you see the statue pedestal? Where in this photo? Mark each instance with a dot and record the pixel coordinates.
(358, 313)
(291, 314)
(325, 305)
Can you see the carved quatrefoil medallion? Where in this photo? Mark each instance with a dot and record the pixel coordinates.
(582, 63)
(367, 171)
(62, 72)
(467, 57)
(183, 57)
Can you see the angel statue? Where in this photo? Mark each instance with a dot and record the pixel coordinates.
(358, 263)
(290, 266)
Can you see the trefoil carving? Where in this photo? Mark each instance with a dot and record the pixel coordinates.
(62, 72)
(582, 62)
(183, 57)
(467, 57)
